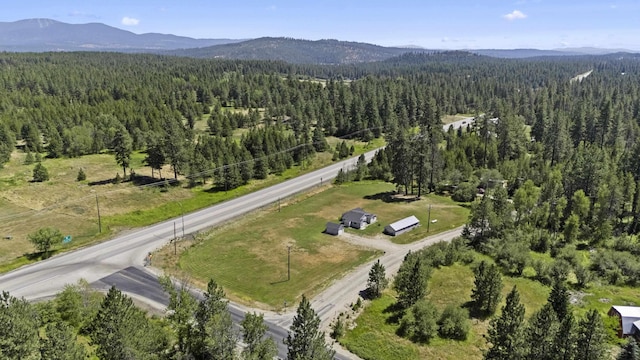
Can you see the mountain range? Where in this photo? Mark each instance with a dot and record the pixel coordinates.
(41, 35)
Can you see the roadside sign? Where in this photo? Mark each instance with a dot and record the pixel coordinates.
(66, 239)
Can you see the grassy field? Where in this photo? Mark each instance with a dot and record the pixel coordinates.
(260, 240)
(71, 207)
(375, 337)
(447, 213)
(448, 119)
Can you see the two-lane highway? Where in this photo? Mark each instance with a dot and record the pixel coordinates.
(119, 261)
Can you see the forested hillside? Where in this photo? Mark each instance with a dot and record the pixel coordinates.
(73, 104)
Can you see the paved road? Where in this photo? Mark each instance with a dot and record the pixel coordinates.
(118, 261)
(105, 262)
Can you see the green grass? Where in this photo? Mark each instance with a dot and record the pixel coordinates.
(70, 205)
(388, 209)
(375, 337)
(259, 242)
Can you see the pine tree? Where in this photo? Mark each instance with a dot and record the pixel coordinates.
(122, 147)
(213, 334)
(258, 347)
(81, 175)
(19, 329)
(559, 299)
(182, 307)
(486, 294)
(122, 331)
(411, 281)
(506, 331)
(591, 337)
(305, 341)
(40, 173)
(541, 334)
(377, 280)
(564, 344)
(630, 350)
(61, 343)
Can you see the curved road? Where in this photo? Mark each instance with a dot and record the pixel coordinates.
(119, 261)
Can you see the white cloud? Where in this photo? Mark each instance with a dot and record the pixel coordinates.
(515, 15)
(129, 21)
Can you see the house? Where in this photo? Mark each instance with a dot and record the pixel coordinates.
(629, 319)
(334, 229)
(402, 226)
(358, 218)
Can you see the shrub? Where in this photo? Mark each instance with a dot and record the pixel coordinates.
(420, 323)
(454, 323)
(40, 173)
(465, 192)
(81, 175)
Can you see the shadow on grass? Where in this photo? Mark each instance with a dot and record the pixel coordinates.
(279, 282)
(144, 180)
(39, 255)
(392, 197)
(475, 313)
(396, 311)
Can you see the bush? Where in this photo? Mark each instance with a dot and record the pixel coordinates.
(465, 192)
(454, 323)
(420, 323)
(81, 175)
(40, 173)
(337, 329)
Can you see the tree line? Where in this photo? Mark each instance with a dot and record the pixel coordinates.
(194, 328)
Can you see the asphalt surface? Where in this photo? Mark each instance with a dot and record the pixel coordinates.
(120, 262)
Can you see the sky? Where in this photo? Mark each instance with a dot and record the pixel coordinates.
(433, 24)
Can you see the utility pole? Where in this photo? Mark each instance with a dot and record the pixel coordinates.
(429, 218)
(278, 204)
(288, 262)
(175, 239)
(99, 220)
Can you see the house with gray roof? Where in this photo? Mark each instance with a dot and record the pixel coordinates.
(334, 229)
(629, 319)
(402, 226)
(358, 218)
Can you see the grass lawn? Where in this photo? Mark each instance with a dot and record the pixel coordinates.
(71, 207)
(388, 208)
(448, 119)
(375, 337)
(249, 257)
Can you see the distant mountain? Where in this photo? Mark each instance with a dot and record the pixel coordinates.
(50, 35)
(523, 53)
(594, 51)
(298, 51)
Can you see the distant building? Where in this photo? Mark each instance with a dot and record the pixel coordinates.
(334, 229)
(629, 319)
(402, 226)
(358, 218)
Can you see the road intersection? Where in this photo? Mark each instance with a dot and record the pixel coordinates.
(120, 261)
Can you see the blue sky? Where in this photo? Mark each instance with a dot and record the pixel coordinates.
(437, 24)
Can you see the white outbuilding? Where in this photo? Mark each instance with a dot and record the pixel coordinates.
(402, 226)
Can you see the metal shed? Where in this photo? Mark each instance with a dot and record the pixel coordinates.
(334, 229)
(402, 226)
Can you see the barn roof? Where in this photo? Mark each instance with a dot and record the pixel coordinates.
(404, 223)
(629, 315)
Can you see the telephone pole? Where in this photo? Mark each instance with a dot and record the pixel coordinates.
(99, 220)
(429, 218)
(175, 239)
(288, 262)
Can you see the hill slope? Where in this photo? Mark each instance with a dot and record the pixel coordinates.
(299, 51)
(50, 35)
